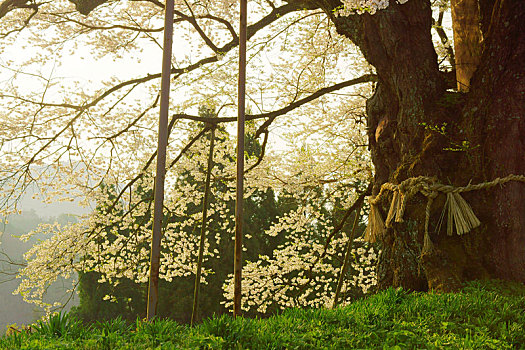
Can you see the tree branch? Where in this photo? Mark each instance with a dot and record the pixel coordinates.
(437, 25)
(274, 114)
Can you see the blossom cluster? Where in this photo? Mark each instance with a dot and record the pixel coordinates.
(351, 7)
(296, 276)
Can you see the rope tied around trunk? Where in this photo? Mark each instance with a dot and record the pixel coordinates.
(460, 214)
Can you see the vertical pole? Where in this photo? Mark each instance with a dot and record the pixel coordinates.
(237, 264)
(203, 229)
(346, 262)
(467, 40)
(153, 288)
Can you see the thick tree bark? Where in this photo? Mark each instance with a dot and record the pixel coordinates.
(467, 40)
(494, 118)
(484, 138)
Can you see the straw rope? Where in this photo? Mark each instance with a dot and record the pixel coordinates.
(460, 214)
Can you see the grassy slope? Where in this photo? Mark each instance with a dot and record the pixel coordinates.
(489, 315)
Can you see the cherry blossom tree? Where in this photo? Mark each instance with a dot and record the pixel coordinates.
(417, 123)
(74, 138)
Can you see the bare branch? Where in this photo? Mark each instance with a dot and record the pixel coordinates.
(261, 156)
(9, 5)
(437, 25)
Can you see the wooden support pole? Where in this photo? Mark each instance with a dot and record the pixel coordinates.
(467, 40)
(346, 262)
(153, 288)
(237, 263)
(203, 229)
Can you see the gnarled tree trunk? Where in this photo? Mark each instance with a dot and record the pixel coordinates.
(467, 40)
(483, 138)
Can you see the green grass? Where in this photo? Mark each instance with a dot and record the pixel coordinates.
(484, 315)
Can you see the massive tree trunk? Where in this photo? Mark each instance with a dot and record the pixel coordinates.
(467, 40)
(483, 138)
